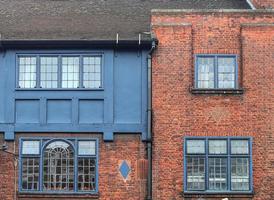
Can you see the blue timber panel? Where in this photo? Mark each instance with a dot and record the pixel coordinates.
(91, 111)
(128, 88)
(27, 111)
(59, 111)
(118, 107)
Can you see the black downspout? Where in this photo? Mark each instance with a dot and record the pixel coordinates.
(149, 120)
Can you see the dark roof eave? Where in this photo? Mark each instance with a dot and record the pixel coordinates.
(75, 44)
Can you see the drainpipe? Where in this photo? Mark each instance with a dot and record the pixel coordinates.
(251, 4)
(149, 120)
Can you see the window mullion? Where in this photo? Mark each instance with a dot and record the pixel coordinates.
(229, 167)
(76, 167)
(81, 65)
(59, 81)
(206, 166)
(216, 85)
(37, 85)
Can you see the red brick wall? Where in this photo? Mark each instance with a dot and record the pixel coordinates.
(263, 3)
(178, 113)
(127, 147)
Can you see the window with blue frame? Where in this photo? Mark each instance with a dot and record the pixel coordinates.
(60, 71)
(216, 72)
(56, 165)
(218, 164)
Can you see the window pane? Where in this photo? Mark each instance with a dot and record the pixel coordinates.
(86, 148)
(195, 173)
(86, 174)
(58, 167)
(195, 146)
(27, 72)
(239, 173)
(92, 72)
(217, 147)
(239, 147)
(226, 72)
(205, 72)
(49, 72)
(31, 147)
(30, 173)
(217, 173)
(70, 72)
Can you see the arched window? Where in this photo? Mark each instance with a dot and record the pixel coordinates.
(58, 167)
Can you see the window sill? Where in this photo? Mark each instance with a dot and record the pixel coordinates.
(59, 89)
(27, 196)
(217, 91)
(230, 195)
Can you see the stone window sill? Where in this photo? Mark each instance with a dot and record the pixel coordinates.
(217, 91)
(29, 196)
(191, 195)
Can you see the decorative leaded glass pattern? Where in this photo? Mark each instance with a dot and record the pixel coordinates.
(205, 72)
(216, 72)
(226, 72)
(218, 164)
(58, 167)
(27, 72)
(31, 147)
(217, 173)
(195, 146)
(217, 146)
(239, 147)
(92, 72)
(70, 72)
(87, 148)
(195, 173)
(240, 174)
(30, 173)
(49, 72)
(86, 174)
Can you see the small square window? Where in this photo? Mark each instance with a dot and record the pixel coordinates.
(217, 146)
(239, 147)
(216, 72)
(195, 146)
(87, 148)
(31, 147)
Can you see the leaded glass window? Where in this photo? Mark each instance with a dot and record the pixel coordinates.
(216, 72)
(49, 72)
(27, 72)
(69, 71)
(217, 164)
(60, 166)
(92, 72)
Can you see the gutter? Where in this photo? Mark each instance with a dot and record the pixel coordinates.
(149, 118)
(76, 44)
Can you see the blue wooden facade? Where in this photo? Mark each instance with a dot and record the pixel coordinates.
(118, 107)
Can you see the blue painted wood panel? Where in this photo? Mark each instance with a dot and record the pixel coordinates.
(119, 106)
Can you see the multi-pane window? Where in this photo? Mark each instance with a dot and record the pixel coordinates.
(53, 165)
(216, 72)
(27, 72)
(91, 72)
(60, 71)
(49, 72)
(218, 164)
